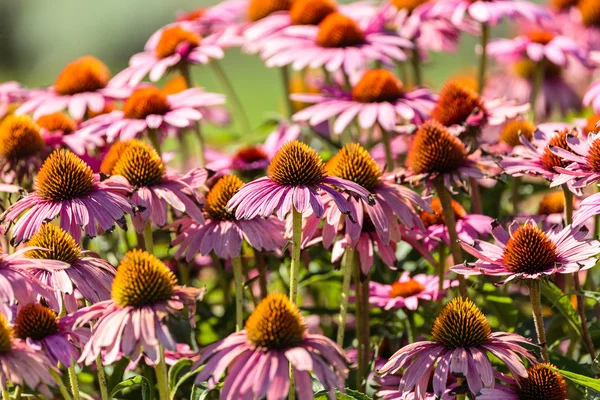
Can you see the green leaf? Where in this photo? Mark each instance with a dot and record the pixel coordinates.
(582, 380)
(131, 382)
(200, 393)
(348, 395)
(556, 297)
(175, 370)
(182, 380)
(589, 294)
(118, 372)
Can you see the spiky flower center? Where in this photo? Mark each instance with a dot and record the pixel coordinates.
(563, 5)
(590, 13)
(435, 150)
(6, 333)
(20, 137)
(140, 164)
(57, 122)
(276, 323)
(437, 216)
(553, 203)
(86, 74)
(527, 69)
(176, 84)
(461, 324)
(35, 321)
(542, 383)
(529, 250)
(590, 126)
(593, 157)
(338, 30)
(355, 164)
(408, 5)
(219, 195)
(251, 154)
(59, 245)
(64, 176)
(550, 160)
(378, 86)
(311, 12)
(146, 101)
(141, 280)
(113, 155)
(259, 9)
(406, 289)
(455, 104)
(296, 164)
(513, 130)
(172, 37)
(541, 36)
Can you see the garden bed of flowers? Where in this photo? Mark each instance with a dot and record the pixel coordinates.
(388, 239)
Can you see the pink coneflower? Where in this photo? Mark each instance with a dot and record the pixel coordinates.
(10, 93)
(338, 42)
(221, 232)
(528, 252)
(377, 98)
(407, 291)
(153, 188)
(592, 97)
(91, 276)
(462, 338)
(366, 245)
(583, 156)
(295, 176)
(59, 130)
(22, 365)
(22, 149)
(66, 188)
(387, 389)
(80, 87)
(170, 47)
(55, 337)
(171, 357)
(257, 359)
(144, 294)
(489, 12)
(149, 108)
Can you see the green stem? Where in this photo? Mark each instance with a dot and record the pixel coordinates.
(476, 204)
(101, 378)
(347, 268)
(410, 326)
(441, 273)
(459, 382)
(538, 80)
(232, 96)
(296, 240)
(515, 198)
(360, 371)
(162, 379)
(285, 80)
(148, 241)
(262, 272)
(185, 73)
(416, 64)
(389, 156)
(536, 305)
(74, 382)
(365, 332)
(18, 392)
(153, 136)
(449, 219)
(61, 385)
(201, 144)
(239, 293)
(485, 37)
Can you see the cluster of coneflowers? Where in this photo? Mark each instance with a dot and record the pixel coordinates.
(370, 203)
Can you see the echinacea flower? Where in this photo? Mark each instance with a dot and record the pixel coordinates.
(258, 358)
(22, 365)
(10, 94)
(527, 252)
(462, 339)
(59, 130)
(90, 275)
(489, 12)
(149, 108)
(79, 88)
(295, 177)
(583, 156)
(592, 97)
(43, 331)
(377, 98)
(144, 294)
(22, 149)
(552, 208)
(387, 389)
(540, 383)
(503, 139)
(407, 291)
(66, 188)
(222, 232)
(152, 187)
(173, 46)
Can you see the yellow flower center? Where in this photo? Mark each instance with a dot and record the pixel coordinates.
(57, 122)
(563, 5)
(435, 150)
(541, 36)
(553, 203)
(146, 101)
(527, 69)
(59, 245)
(259, 9)
(296, 164)
(64, 176)
(461, 324)
(276, 323)
(311, 12)
(141, 280)
(337, 31)
(437, 217)
(35, 321)
(86, 74)
(355, 164)
(590, 127)
(455, 104)
(112, 156)
(6, 334)
(172, 37)
(20, 138)
(219, 195)
(550, 160)
(406, 289)
(175, 85)
(408, 5)
(590, 13)
(378, 86)
(542, 383)
(529, 251)
(139, 163)
(513, 130)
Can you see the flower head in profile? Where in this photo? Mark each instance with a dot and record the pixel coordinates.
(60, 130)
(22, 149)
(43, 331)
(462, 339)
(153, 188)
(258, 358)
(528, 252)
(66, 188)
(490, 12)
(295, 177)
(177, 45)
(144, 294)
(20, 364)
(378, 98)
(81, 87)
(222, 232)
(541, 383)
(85, 273)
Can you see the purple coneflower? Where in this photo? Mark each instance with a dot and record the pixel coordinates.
(387, 389)
(488, 11)
(257, 359)
(59, 130)
(462, 340)
(66, 187)
(22, 149)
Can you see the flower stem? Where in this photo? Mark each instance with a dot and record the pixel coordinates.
(153, 136)
(189, 83)
(441, 274)
(389, 156)
(162, 379)
(74, 382)
(285, 80)
(148, 241)
(449, 219)
(410, 326)
(416, 64)
(476, 205)
(61, 385)
(514, 197)
(485, 37)
(239, 293)
(536, 304)
(262, 272)
(101, 378)
(232, 96)
(538, 80)
(18, 392)
(459, 383)
(296, 240)
(347, 268)
(360, 372)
